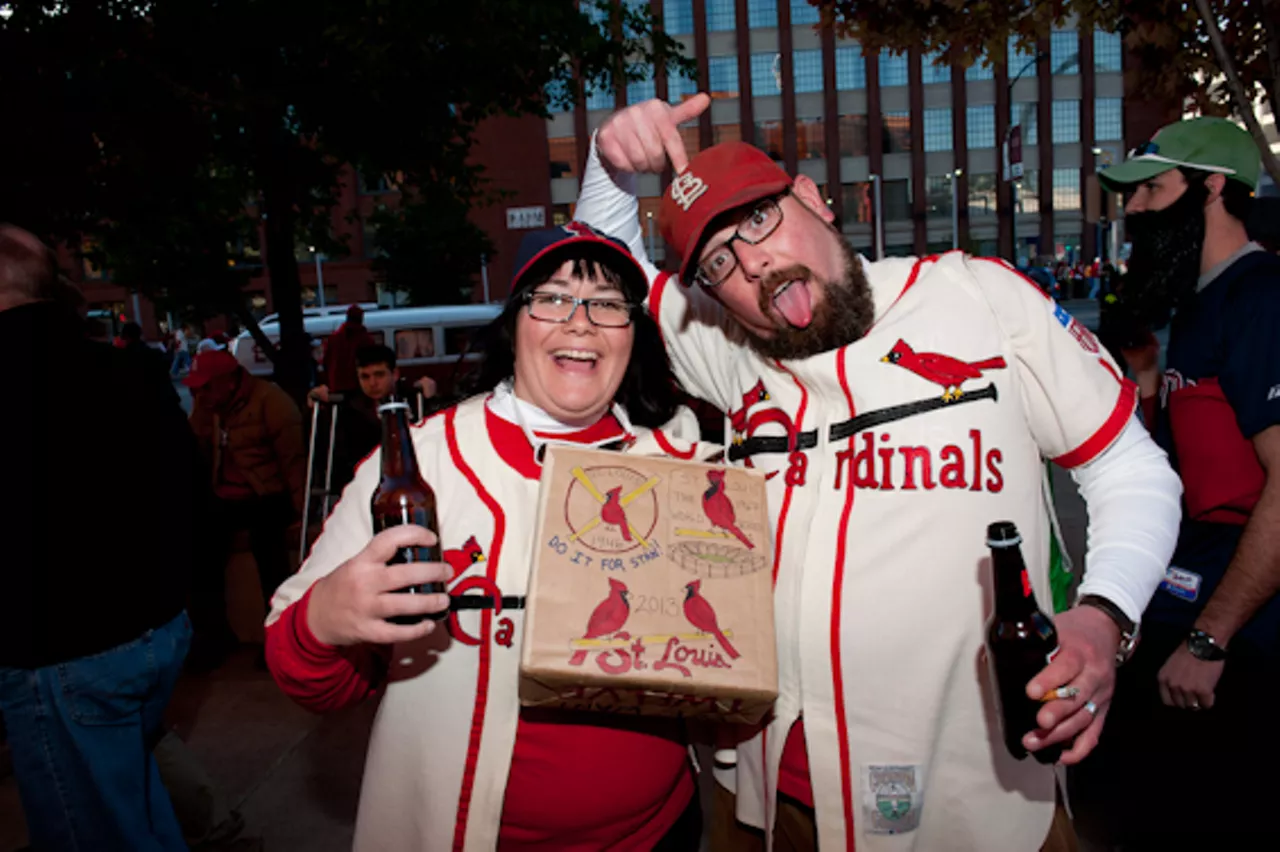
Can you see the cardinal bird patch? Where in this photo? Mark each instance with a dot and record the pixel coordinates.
(462, 558)
(947, 372)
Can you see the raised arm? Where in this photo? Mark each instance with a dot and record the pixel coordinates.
(640, 139)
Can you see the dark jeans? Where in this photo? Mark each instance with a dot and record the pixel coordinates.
(1167, 778)
(267, 520)
(81, 733)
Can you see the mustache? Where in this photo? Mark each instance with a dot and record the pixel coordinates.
(775, 279)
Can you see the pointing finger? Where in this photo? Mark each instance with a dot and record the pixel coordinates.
(691, 108)
(671, 138)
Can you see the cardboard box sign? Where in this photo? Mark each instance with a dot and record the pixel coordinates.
(652, 589)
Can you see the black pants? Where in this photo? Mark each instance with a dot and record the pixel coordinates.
(267, 520)
(1167, 778)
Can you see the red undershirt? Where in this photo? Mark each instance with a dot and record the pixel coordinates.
(577, 781)
(793, 774)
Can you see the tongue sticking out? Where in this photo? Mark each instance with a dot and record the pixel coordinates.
(792, 301)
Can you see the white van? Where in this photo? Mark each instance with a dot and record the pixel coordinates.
(427, 341)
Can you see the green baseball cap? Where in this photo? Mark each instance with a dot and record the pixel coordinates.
(1207, 144)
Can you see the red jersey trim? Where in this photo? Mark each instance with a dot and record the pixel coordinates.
(1009, 267)
(911, 280)
(511, 445)
(1108, 432)
(486, 627)
(786, 499)
(656, 292)
(670, 448)
(837, 601)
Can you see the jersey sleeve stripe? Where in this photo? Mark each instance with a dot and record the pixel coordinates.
(671, 449)
(1107, 433)
(656, 292)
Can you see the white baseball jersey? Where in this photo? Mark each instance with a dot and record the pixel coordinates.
(440, 751)
(942, 413)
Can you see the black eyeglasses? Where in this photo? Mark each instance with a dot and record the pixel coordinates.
(758, 225)
(560, 307)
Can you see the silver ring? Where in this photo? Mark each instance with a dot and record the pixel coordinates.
(1195, 705)
(1091, 708)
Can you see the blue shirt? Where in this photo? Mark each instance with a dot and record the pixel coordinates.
(1230, 332)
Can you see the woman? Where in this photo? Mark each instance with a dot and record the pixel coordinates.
(454, 762)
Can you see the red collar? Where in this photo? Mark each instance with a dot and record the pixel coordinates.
(514, 448)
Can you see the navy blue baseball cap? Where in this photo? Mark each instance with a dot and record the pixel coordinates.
(571, 238)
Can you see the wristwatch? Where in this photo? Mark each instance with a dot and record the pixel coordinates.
(1128, 629)
(1204, 647)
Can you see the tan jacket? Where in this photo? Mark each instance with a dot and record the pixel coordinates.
(263, 435)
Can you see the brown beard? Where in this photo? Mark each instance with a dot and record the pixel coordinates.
(846, 312)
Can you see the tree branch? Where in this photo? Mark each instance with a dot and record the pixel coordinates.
(1244, 103)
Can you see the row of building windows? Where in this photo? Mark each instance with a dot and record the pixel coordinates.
(980, 131)
(677, 15)
(808, 74)
(895, 196)
(1064, 49)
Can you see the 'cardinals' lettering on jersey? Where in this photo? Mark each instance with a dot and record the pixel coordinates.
(885, 467)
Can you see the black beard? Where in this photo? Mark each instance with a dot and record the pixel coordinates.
(1164, 267)
(846, 313)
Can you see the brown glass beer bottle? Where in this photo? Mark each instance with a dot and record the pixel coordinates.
(1021, 641)
(403, 497)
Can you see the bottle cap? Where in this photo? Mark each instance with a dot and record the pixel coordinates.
(1003, 534)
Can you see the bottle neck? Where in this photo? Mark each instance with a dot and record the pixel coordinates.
(398, 458)
(1012, 583)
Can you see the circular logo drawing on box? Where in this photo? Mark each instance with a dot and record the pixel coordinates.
(611, 509)
(711, 559)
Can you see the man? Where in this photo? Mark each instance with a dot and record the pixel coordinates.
(1196, 707)
(340, 352)
(897, 408)
(95, 571)
(359, 426)
(152, 360)
(251, 433)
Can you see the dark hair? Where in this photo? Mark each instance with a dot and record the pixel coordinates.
(1237, 198)
(648, 391)
(27, 266)
(375, 353)
(131, 332)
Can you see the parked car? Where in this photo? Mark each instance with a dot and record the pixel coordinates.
(427, 341)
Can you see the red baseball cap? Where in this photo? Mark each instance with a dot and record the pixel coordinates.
(717, 179)
(208, 365)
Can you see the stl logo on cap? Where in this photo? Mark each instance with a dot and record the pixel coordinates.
(686, 189)
(580, 229)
